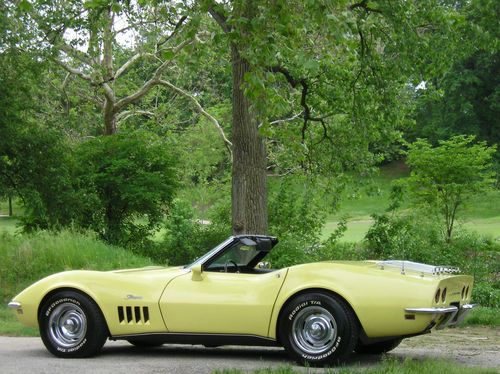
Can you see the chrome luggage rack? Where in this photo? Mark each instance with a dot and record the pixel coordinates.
(419, 267)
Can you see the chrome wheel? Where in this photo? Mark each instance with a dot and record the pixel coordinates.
(314, 330)
(67, 325)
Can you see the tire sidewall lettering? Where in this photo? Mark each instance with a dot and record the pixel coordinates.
(73, 349)
(60, 301)
(326, 354)
(301, 306)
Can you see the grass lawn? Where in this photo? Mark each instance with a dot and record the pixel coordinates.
(8, 224)
(482, 214)
(357, 227)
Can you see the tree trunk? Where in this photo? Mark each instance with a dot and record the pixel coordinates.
(109, 118)
(249, 184)
(10, 206)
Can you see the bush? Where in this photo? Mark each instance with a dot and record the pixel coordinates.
(297, 212)
(417, 238)
(125, 183)
(483, 316)
(486, 294)
(186, 238)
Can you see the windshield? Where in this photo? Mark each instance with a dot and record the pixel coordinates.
(206, 256)
(241, 253)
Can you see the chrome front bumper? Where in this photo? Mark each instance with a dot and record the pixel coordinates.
(14, 305)
(444, 317)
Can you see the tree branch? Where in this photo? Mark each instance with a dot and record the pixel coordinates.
(364, 5)
(174, 31)
(131, 61)
(155, 80)
(74, 71)
(73, 52)
(203, 112)
(219, 18)
(306, 113)
(107, 41)
(123, 116)
(283, 120)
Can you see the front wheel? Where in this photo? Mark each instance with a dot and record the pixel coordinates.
(72, 325)
(318, 329)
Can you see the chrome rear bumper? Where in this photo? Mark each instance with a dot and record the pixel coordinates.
(444, 317)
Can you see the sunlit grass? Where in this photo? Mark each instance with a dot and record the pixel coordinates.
(387, 366)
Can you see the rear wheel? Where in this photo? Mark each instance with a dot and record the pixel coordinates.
(378, 348)
(318, 329)
(72, 325)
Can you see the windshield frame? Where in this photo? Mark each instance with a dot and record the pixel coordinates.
(207, 256)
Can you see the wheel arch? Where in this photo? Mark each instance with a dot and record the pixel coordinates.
(55, 291)
(313, 290)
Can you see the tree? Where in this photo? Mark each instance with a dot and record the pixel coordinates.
(446, 177)
(322, 81)
(465, 99)
(316, 83)
(33, 156)
(99, 43)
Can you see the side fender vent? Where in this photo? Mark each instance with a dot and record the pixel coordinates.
(133, 315)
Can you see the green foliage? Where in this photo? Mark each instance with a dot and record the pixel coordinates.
(417, 238)
(410, 237)
(388, 365)
(36, 166)
(125, 184)
(488, 295)
(464, 99)
(483, 316)
(24, 259)
(297, 212)
(446, 177)
(187, 238)
(27, 258)
(466, 102)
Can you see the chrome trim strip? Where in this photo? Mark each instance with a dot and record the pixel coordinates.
(450, 309)
(201, 338)
(418, 267)
(14, 305)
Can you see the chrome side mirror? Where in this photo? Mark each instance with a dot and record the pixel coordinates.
(196, 273)
(264, 265)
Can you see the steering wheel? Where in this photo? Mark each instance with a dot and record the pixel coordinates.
(231, 262)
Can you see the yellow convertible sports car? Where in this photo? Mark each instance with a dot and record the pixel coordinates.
(319, 312)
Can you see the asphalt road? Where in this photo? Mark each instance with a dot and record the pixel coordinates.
(471, 346)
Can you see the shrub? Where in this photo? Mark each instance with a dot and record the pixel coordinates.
(126, 182)
(417, 238)
(185, 237)
(486, 294)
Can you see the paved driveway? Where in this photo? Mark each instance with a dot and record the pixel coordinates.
(468, 346)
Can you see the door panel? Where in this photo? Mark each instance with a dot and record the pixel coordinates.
(231, 303)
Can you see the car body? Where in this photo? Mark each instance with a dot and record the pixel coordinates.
(319, 312)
